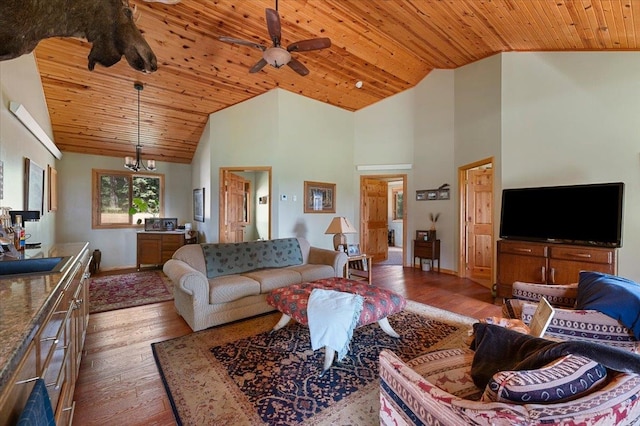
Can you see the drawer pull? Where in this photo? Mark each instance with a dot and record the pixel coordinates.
(544, 274)
(581, 255)
(522, 250)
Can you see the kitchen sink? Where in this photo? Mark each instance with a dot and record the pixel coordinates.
(33, 266)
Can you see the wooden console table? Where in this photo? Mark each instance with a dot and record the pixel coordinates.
(427, 250)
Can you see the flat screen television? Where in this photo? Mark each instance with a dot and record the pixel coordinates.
(576, 214)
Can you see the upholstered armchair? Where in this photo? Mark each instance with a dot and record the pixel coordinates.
(437, 389)
(568, 323)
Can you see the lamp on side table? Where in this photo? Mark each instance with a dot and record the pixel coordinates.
(340, 226)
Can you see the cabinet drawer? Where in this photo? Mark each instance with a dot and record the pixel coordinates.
(172, 242)
(523, 248)
(149, 237)
(582, 254)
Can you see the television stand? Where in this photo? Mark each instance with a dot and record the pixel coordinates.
(549, 263)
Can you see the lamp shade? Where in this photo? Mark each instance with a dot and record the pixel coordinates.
(340, 226)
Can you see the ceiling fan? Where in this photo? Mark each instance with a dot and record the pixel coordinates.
(277, 56)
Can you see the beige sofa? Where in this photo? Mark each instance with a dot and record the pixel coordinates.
(219, 283)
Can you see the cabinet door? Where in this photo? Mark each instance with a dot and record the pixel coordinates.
(568, 272)
(513, 267)
(171, 243)
(149, 249)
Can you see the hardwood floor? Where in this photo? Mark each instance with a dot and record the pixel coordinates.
(119, 383)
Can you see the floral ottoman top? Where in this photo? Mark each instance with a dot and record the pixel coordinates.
(378, 302)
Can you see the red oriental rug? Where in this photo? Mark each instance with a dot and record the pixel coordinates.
(111, 292)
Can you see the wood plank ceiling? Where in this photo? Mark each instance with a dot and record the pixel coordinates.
(390, 45)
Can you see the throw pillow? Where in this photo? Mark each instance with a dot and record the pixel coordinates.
(612, 295)
(565, 379)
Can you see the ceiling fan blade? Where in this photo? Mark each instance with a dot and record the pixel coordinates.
(242, 42)
(273, 25)
(258, 66)
(311, 44)
(297, 66)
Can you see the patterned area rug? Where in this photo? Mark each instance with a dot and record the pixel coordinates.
(242, 374)
(111, 292)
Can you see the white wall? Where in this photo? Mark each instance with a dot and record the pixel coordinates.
(433, 162)
(572, 118)
(20, 82)
(385, 134)
(302, 140)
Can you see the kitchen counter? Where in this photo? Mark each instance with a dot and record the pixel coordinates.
(25, 301)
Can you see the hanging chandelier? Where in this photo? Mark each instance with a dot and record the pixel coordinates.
(136, 164)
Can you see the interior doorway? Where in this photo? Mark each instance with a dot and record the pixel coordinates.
(245, 204)
(476, 221)
(382, 209)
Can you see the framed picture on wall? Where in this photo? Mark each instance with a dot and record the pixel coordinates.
(319, 197)
(198, 204)
(34, 186)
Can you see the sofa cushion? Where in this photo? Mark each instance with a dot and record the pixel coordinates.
(270, 279)
(311, 272)
(237, 258)
(231, 287)
(567, 378)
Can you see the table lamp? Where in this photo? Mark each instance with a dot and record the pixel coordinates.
(340, 226)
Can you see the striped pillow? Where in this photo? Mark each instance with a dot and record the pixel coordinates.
(564, 379)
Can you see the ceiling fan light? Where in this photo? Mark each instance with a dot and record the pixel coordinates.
(276, 56)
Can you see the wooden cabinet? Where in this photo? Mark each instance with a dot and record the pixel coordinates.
(547, 263)
(155, 248)
(427, 250)
(55, 350)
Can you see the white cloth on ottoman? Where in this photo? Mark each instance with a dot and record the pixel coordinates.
(333, 315)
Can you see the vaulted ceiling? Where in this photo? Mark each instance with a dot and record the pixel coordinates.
(389, 45)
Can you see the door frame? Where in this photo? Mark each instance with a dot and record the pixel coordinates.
(387, 177)
(222, 204)
(462, 220)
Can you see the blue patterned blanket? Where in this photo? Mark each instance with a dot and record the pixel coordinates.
(236, 258)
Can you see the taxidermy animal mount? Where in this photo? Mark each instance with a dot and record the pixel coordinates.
(109, 25)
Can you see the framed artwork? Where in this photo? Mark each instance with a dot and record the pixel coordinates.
(33, 186)
(53, 188)
(427, 194)
(443, 194)
(420, 235)
(198, 205)
(319, 197)
(353, 249)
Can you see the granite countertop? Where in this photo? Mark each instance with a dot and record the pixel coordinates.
(24, 301)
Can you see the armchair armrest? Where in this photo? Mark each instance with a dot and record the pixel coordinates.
(336, 259)
(187, 279)
(586, 325)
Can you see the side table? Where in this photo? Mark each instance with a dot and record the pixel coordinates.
(359, 267)
(427, 250)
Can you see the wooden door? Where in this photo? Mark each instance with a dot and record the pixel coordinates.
(373, 222)
(479, 223)
(234, 215)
